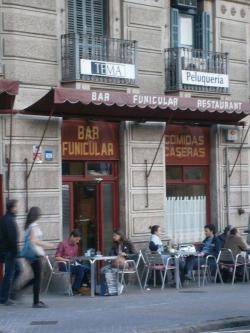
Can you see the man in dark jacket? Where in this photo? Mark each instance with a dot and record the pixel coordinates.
(210, 246)
(9, 250)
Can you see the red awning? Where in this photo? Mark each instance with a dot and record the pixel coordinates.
(8, 91)
(74, 103)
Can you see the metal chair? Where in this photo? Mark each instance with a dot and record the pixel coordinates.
(207, 275)
(55, 272)
(130, 267)
(227, 260)
(155, 263)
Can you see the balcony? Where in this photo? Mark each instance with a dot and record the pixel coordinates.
(98, 59)
(193, 70)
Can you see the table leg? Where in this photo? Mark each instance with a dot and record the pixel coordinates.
(199, 272)
(177, 272)
(92, 274)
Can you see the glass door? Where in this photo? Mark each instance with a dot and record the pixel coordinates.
(92, 208)
(86, 214)
(108, 199)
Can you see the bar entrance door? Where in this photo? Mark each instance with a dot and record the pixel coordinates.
(91, 208)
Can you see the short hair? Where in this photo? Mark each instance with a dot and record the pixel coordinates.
(233, 231)
(10, 204)
(75, 233)
(154, 229)
(210, 227)
(227, 229)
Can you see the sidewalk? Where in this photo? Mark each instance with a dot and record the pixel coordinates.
(151, 311)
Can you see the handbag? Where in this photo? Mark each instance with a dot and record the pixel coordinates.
(28, 252)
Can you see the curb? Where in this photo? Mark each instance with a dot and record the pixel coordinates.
(233, 322)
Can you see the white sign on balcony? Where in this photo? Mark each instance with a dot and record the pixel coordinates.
(205, 79)
(108, 69)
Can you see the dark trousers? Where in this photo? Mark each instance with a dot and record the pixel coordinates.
(11, 273)
(36, 267)
(79, 272)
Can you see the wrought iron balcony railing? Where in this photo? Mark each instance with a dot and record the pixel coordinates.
(196, 70)
(79, 46)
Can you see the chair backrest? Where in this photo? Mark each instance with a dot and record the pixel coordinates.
(48, 260)
(154, 258)
(139, 258)
(226, 255)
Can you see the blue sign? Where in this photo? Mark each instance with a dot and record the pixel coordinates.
(48, 155)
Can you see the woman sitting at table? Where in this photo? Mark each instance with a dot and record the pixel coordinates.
(122, 248)
(155, 243)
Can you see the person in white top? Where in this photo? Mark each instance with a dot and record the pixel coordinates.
(155, 243)
(34, 234)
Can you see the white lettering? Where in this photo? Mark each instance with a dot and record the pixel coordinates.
(205, 79)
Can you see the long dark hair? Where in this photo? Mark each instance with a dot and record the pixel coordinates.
(121, 234)
(33, 215)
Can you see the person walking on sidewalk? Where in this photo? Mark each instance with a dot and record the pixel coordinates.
(33, 252)
(9, 238)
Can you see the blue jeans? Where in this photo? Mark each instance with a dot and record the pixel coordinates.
(11, 273)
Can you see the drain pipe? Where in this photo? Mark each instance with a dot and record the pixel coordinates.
(10, 154)
(227, 185)
(28, 172)
(148, 172)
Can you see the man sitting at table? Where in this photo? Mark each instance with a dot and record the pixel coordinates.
(210, 246)
(66, 252)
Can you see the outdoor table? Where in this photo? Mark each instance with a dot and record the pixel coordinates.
(92, 261)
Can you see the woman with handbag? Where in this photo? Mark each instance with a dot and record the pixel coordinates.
(122, 248)
(33, 252)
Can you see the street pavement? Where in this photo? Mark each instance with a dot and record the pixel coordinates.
(135, 312)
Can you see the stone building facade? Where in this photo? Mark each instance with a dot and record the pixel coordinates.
(37, 50)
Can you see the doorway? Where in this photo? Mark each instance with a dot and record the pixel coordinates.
(90, 207)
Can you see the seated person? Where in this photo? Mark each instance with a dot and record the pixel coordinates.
(210, 246)
(222, 236)
(155, 243)
(66, 252)
(122, 248)
(235, 242)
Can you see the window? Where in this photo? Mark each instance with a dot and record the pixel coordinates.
(190, 30)
(72, 168)
(87, 17)
(186, 30)
(99, 169)
(186, 174)
(194, 173)
(173, 172)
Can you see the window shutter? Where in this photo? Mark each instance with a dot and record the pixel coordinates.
(71, 16)
(174, 27)
(206, 31)
(202, 31)
(86, 17)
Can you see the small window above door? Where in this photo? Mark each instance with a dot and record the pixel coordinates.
(99, 169)
(72, 168)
